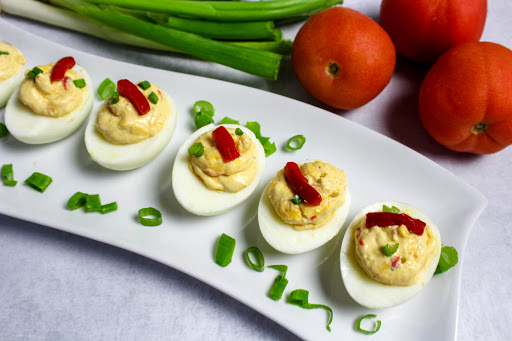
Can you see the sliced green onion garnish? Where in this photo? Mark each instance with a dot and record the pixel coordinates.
(449, 257)
(204, 107)
(92, 203)
(282, 268)
(299, 297)
(153, 98)
(239, 131)
(202, 120)
(196, 150)
(79, 83)
(270, 148)
(227, 120)
(367, 332)
(276, 292)
(34, 72)
(39, 181)
(106, 88)
(144, 85)
(296, 142)
(392, 209)
(8, 175)
(3, 130)
(4, 52)
(389, 250)
(150, 216)
(225, 249)
(260, 260)
(107, 208)
(297, 200)
(77, 200)
(114, 98)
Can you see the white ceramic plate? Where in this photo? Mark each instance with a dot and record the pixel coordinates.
(377, 168)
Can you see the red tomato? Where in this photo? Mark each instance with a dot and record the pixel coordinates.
(423, 29)
(343, 57)
(465, 100)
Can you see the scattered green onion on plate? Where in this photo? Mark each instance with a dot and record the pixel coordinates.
(8, 175)
(364, 331)
(3, 130)
(225, 249)
(39, 181)
(106, 88)
(77, 200)
(150, 216)
(299, 297)
(260, 259)
(295, 143)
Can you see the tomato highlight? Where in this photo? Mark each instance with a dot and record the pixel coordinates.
(60, 68)
(300, 186)
(225, 144)
(134, 95)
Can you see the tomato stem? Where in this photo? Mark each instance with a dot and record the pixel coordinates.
(480, 128)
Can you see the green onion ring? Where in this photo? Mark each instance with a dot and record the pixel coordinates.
(299, 297)
(259, 259)
(92, 203)
(114, 98)
(106, 88)
(153, 98)
(297, 140)
(282, 268)
(390, 250)
(107, 208)
(276, 292)
(154, 214)
(144, 85)
(77, 200)
(367, 332)
(79, 83)
(197, 149)
(239, 131)
(3, 130)
(39, 181)
(8, 175)
(225, 249)
(392, 209)
(205, 108)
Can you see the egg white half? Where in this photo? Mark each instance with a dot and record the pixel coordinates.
(286, 239)
(190, 190)
(128, 156)
(364, 289)
(29, 127)
(7, 86)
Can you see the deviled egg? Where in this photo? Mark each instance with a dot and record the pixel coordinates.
(389, 253)
(217, 168)
(131, 127)
(51, 103)
(292, 222)
(11, 70)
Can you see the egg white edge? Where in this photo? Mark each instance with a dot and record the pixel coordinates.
(365, 290)
(17, 115)
(278, 231)
(8, 86)
(185, 181)
(128, 156)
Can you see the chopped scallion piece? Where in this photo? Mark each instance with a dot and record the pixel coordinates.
(106, 88)
(153, 98)
(367, 332)
(144, 85)
(239, 131)
(227, 120)
(390, 250)
(297, 200)
(34, 72)
(114, 98)
(79, 83)
(92, 203)
(39, 181)
(204, 107)
(8, 175)
(270, 148)
(225, 249)
(296, 142)
(150, 216)
(107, 208)
(202, 120)
(282, 268)
(196, 150)
(4, 52)
(260, 260)
(276, 292)
(3, 130)
(77, 200)
(392, 209)
(299, 297)
(449, 257)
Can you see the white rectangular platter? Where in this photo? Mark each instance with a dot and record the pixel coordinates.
(377, 168)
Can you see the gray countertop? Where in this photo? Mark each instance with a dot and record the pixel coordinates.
(59, 286)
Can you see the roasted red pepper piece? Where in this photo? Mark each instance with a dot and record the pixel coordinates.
(389, 219)
(225, 144)
(300, 186)
(60, 68)
(135, 96)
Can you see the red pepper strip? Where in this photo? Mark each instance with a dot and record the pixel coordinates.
(300, 186)
(60, 68)
(225, 144)
(135, 96)
(389, 219)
